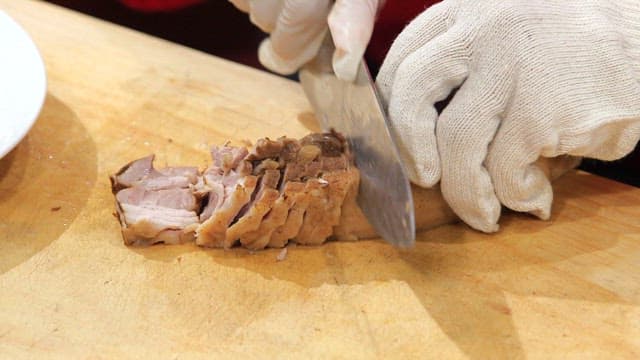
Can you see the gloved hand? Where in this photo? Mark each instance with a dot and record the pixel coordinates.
(297, 28)
(537, 78)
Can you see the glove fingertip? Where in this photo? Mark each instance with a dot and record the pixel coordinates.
(480, 212)
(269, 59)
(345, 65)
(264, 26)
(423, 172)
(542, 209)
(425, 180)
(524, 189)
(351, 26)
(484, 225)
(542, 214)
(242, 5)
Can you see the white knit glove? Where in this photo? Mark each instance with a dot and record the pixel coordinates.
(538, 78)
(297, 28)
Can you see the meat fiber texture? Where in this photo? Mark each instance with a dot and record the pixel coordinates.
(275, 192)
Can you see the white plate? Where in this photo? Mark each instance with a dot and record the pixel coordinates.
(23, 83)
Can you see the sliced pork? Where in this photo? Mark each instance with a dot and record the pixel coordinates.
(156, 205)
(293, 223)
(314, 213)
(277, 191)
(232, 173)
(265, 148)
(320, 220)
(261, 237)
(176, 198)
(344, 230)
(250, 220)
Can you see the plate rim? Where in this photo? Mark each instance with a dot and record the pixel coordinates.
(38, 100)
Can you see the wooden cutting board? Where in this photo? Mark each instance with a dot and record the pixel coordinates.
(69, 288)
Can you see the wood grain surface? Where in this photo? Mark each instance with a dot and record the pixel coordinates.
(69, 288)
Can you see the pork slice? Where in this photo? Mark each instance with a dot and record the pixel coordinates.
(159, 217)
(292, 224)
(214, 199)
(290, 148)
(276, 216)
(228, 157)
(199, 188)
(261, 237)
(211, 187)
(334, 163)
(266, 164)
(212, 232)
(314, 214)
(331, 143)
(298, 171)
(141, 173)
(229, 165)
(310, 161)
(316, 230)
(170, 198)
(271, 179)
(131, 173)
(142, 224)
(265, 148)
(191, 173)
(343, 231)
(168, 236)
(244, 168)
(164, 182)
(256, 209)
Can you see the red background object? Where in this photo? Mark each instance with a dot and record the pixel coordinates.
(393, 17)
(159, 5)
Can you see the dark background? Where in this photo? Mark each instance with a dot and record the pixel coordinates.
(215, 26)
(218, 28)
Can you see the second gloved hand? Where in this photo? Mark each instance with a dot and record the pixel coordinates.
(538, 78)
(297, 28)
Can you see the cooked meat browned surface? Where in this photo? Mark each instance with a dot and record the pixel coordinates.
(228, 158)
(293, 223)
(213, 231)
(332, 144)
(278, 191)
(315, 231)
(265, 148)
(265, 196)
(314, 213)
(343, 230)
(277, 216)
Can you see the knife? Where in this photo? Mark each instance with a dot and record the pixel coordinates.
(354, 110)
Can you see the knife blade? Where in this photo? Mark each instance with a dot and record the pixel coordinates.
(354, 110)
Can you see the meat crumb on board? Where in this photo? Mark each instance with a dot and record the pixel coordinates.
(282, 255)
(264, 195)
